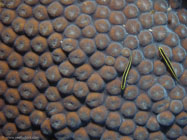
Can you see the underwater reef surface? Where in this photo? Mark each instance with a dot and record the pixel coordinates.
(62, 63)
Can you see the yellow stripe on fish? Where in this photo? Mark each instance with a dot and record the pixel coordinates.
(125, 73)
(168, 62)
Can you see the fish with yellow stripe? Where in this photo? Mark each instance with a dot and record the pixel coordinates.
(168, 62)
(125, 73)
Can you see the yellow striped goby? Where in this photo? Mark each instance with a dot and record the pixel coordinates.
(125, 73)
(168, 63)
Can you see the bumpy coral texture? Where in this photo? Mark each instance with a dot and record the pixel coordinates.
(62, 61)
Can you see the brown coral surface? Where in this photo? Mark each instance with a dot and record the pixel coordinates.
(62, 62)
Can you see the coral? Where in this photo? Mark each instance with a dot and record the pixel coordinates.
(84, 114)
(116, 4)
(87, 45)
(174, 132)
(71, 103)
(15, 60)
(40, 12)
(69, 44)
(117, 33)
(94, 130)
(83, 72)
(73, 120)
(99, 114)
(131, 11)
(109, 135)
(80, 134)
(62, 63)
(109, 60)
(45, 28)
(40, 80)
(3, 87)
(53, 74)
(176, 106)
(10, 111)
(141, 117)
(55, 9)
(140, 133)
(127, 127)
(4, 68)
(102, 25)
(145, 37)
(52, 94)
(23, 122)
(80, 90)
(131, 92)
(59, 24)
(101, 12)
(8, 35)
(88, 7)
(5, 51)
(65, 2)
(83, 20)
(165, 118)
(133, 26)
(13, 79)
(102, 40)
(152, 124)
(58, 55)
(22, 44)
(97, 59)
(8, 16)
(77, 57)
(145, 67)
(89, 31)
(128, 109)
(114, 87)
(18, 24)
(181, 119)
(114, 49)
(157, 92)
(143, 101)
(66, 68)
(108, 73)
(37, 117)
(24, 11)
(46, 127)
(94, 99)
(31, 27)
(58, 121)
(39, 44)
(54, 108)
(177, 93)
(71, 12)
(64, 134)
(25, 107)
(113, 102)
(117, 17)
(31, 2)
(150, 51)
(72, 31)
(131, 42)
(114, 120)
(40, 102)
(12, 96)
(144, 5)
(9, 130)
(167, 82)
(160, 18)
(65, 86)
(146, 20)
(46, 60)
